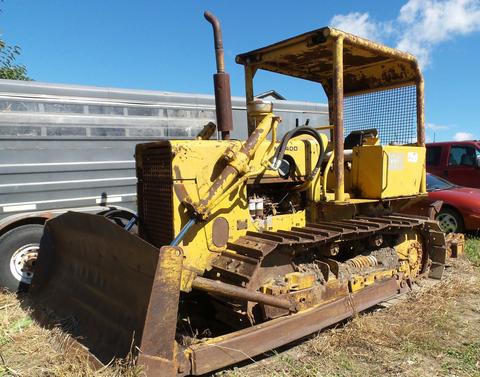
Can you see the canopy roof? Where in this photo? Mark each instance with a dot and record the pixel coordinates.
(367, 65)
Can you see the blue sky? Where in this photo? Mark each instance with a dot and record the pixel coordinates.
(167, 45)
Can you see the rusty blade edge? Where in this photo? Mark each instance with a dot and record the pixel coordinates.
(244, 344)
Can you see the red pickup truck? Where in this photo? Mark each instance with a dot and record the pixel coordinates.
(456, 161)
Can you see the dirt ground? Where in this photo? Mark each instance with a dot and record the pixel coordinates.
(432, 331)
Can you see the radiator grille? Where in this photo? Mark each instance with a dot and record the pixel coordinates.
(155, 196)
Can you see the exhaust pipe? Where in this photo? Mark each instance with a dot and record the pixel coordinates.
(221, 82)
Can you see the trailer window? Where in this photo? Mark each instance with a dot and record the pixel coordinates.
(105, 110)
(142, 111)
(146, 132)
(66, 131)
(27, 131)
(9, 105)
(63, 108)
(107, 131)
(178, 132)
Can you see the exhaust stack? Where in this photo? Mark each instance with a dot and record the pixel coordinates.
(221, 82)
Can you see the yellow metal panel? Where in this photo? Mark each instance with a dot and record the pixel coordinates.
(377, 172)
(387, 171)
(195, 166)
(300, 280)
(368, 65)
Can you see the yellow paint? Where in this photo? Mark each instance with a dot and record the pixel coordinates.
(299, 280)
(410, 252)
(387, 171)
(358, 282)
(375, 172)
(197, 163)
(368, 65)
(294, 281)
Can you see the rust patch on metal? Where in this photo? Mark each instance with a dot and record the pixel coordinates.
(434, 209)
(244, 344)
(222, 289)
(78, 275)
(221, 80)
(242, 224)
(155, 194)
(455, 244)
(368, 65)
(218, 186)
(338, 89)
(207, 131)
(223, 104)
(220, 232)
(158, 347)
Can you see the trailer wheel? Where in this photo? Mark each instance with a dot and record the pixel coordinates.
(18, 254)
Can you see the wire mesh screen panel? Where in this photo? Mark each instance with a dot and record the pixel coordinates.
(392, 112)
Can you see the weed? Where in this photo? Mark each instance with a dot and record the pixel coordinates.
(465, 358)
(472, 250)
(432, 331)
(419, 336)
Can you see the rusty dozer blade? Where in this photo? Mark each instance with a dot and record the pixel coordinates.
(121, 294)
(115, 290)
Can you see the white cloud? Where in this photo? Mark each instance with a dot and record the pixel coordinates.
(357, 23)
(436, 127)
(460, 136)
(420, 25)
(427, 23)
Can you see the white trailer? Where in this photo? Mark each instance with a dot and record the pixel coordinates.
(70, 147)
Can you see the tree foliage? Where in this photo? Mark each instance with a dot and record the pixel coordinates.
(9, 68)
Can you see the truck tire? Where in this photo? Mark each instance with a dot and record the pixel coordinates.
(18, 254)
(450, 220)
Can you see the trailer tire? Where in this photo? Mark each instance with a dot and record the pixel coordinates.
(18, 251)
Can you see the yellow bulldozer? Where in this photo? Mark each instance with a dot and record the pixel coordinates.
(244, 246)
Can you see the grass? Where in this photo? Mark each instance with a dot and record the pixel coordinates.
(433, 331)
(472, 250)
(466, 359)
(26, 349)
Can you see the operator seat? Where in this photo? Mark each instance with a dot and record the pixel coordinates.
(356, 138)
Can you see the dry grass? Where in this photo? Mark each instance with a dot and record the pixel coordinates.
(26, 349)
(434, 331)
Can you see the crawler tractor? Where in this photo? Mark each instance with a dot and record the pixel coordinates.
(245, 246)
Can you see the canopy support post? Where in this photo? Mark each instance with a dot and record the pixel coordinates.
(338, 113)
(249, 74)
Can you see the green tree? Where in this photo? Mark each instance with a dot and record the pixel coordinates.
(9, 68)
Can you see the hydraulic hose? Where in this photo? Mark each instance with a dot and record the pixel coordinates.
(304, 130)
